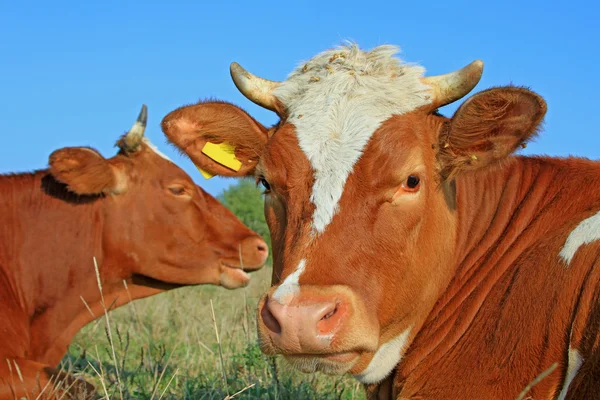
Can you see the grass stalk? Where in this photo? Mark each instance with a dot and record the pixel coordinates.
(108, 329)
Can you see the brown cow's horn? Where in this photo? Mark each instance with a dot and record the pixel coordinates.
(451, 87)
(133, 138)
(256, 89)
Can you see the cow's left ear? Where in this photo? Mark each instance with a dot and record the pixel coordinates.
(220, 138)
(86, 172)
(488, 127)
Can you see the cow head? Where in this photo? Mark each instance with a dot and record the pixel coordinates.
(160, 229)
(359, 178)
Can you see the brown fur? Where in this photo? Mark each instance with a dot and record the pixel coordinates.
(469, 262)
(160, 233)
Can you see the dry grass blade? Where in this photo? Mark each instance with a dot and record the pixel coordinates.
(88, 307)
(169, 383)
(537, 380)
(18, 371)
(108, 329)
(245, 324)
(12, 378)
(101, 380)
(46, 386)
(162, 373)
(240, 392)
(20, 377)
(212, 310)
(205, 347)
(132, 305)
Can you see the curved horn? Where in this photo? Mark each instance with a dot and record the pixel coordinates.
(451, 87)
(132, 139)
(256, 89)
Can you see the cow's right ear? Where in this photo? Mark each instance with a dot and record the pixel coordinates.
(86, 172)
(220, 138)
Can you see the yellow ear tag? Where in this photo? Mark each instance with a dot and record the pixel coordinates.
(222, 153)
(207, 175)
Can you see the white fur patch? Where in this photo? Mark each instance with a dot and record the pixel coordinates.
(587, 231)
(290, 285)
(155, 149)
(385, 359)
(336, 101)
(575, 361)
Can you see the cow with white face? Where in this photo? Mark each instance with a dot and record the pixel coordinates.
(409, 245)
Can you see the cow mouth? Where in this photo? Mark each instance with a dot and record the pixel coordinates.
(230, 276)
(147, 281)
(233, 276)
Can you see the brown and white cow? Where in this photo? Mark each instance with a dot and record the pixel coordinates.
(143, 219)
(413, 250)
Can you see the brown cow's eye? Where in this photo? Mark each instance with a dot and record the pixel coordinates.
(412, 182)
(264, 183)
(177, 190)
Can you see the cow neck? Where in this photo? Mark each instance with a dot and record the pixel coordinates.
(53, 241)
(498, 215)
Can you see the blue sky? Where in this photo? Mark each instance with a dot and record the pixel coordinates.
(76, 73)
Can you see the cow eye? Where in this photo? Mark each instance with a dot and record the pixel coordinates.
(261, 180)
(177, 190)
(412, 183)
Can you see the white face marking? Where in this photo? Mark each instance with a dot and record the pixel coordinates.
(586, 232)
(575, 361)
(290, 285)
(155, 149)
(386, 358)
(336, 104)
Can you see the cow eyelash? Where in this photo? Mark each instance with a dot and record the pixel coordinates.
(262, 181)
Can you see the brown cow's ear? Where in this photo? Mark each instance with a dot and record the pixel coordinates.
(220, 138)
(488, 127)
(86, 172)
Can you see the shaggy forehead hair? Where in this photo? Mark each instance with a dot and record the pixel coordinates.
(336, 101)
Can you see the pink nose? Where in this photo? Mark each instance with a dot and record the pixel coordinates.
(254, 252)
(303, 327)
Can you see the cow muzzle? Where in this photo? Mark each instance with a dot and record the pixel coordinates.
(253, 252)
(318, 328)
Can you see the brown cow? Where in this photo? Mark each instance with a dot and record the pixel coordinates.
(411, 248)
(143, 219)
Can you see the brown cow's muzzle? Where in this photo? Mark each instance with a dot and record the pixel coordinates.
(317, 328)
(253, 253)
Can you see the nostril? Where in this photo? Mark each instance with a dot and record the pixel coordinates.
(269, 319)
(254, 252)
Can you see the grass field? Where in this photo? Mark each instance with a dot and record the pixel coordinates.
(166, 347)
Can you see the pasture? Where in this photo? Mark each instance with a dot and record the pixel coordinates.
(165, 347)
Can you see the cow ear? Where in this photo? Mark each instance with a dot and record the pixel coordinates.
(86, 172)
(488, 127)
(220, 138)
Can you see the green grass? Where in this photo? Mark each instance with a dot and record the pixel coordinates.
(165, 347)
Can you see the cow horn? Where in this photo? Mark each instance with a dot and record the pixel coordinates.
(133, 138)
(256, 89)
(451, 87)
